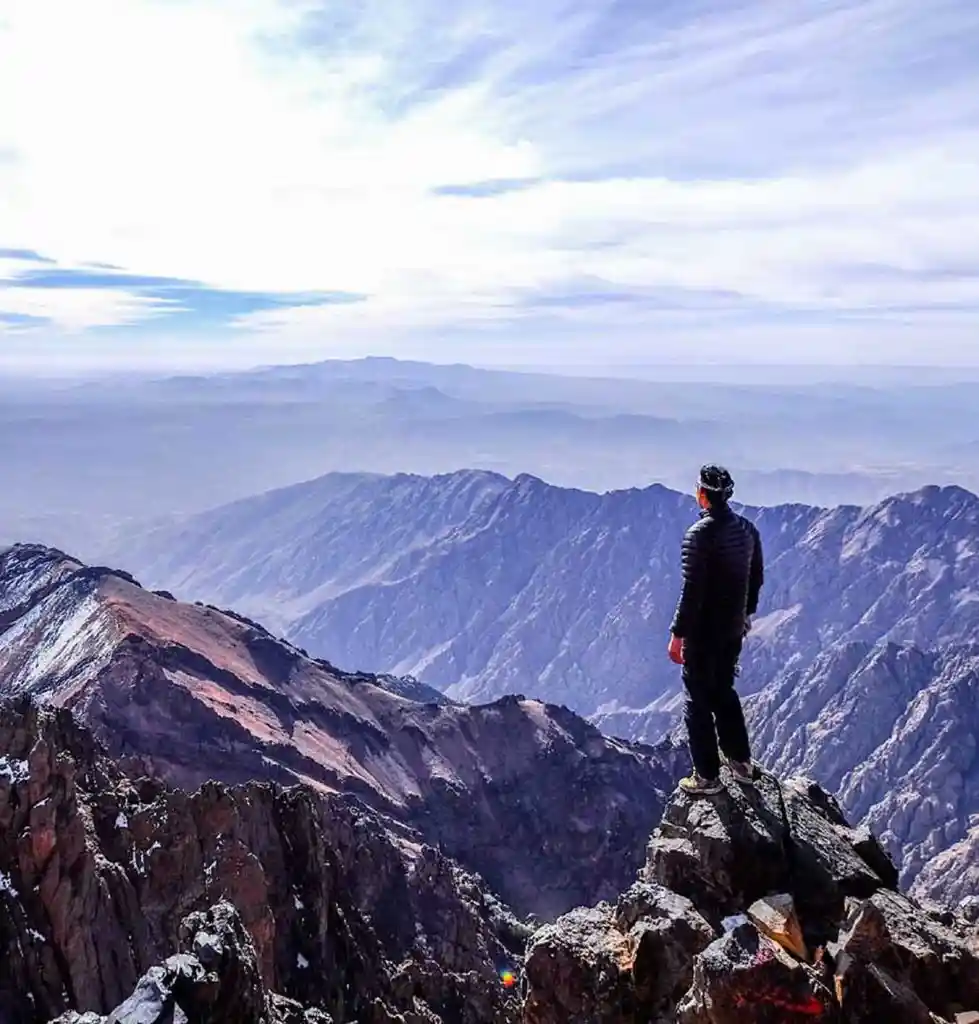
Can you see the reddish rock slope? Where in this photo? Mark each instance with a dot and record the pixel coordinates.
(551, 812)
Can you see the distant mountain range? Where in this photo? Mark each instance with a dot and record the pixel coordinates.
(90, 455)
(479, 585)
(893, 731)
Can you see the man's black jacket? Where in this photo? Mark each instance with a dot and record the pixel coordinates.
(722, 576)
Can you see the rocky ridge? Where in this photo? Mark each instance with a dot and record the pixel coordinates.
(759, 906)
(129, 902)
(118, 891)
(533, 798)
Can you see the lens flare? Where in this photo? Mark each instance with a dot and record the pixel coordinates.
(508, 978)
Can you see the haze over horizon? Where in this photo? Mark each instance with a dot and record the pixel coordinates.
(214, 184)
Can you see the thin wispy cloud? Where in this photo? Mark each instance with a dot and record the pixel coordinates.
(566, 180)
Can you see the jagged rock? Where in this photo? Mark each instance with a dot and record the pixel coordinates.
(613, 966)
(665, 933)
(868, 994)
(576, 971)
(890, 931)
(824, 852)
(749, 842)
(218, 985)
(775, 917)
(746, 978)
(722, 853)
(98, 871)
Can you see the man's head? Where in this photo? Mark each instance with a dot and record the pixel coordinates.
(714, 486)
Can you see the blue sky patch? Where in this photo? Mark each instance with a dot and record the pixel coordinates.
(190, 302)
(22, 319)
(26, 255)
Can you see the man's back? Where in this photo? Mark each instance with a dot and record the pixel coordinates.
(722, 576)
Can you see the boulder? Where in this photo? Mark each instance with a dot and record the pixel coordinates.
(615, 966)
(665, 933)
(775, 916)
(746, 978)
(894, 934)
(577, 971)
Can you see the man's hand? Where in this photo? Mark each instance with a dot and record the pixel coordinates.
(675, 649)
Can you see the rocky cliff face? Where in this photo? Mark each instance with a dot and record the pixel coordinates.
(125, 901)
(217, 899)
(532, 797)
(759, 905)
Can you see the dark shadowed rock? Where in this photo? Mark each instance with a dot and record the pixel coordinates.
(868, 994)
(746, 978)
(106, 884)
(614, 966)
(892, 932)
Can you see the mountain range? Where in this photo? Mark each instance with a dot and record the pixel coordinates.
(479, 586)
(92, 454)
(529, 795)
(226, 827)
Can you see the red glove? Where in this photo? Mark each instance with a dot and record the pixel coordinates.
(675, 649)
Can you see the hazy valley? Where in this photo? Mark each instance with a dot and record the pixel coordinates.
(93, 453)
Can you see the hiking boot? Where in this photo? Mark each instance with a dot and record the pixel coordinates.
(696, 785)
(742, 771)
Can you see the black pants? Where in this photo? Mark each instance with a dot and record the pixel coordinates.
(713, 709)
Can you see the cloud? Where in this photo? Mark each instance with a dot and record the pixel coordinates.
(394, 173)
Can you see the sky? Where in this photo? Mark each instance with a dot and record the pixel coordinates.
(563, 182)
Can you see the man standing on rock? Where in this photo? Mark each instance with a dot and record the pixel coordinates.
(722, 577)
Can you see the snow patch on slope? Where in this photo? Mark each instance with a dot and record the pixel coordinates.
(13, 770)
(53, 639)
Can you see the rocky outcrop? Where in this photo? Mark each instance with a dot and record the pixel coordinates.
(215, 978)
(118, 892)
(530, 796)
(759, 906)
